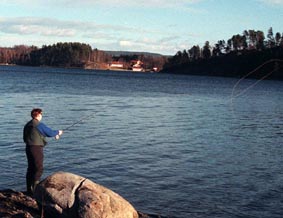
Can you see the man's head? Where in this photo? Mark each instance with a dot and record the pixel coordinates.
(36, 113)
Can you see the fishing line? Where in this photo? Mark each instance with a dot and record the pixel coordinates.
(251, 72)
(233, 96)
(254, 84)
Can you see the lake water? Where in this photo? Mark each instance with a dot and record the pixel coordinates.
(172, 145)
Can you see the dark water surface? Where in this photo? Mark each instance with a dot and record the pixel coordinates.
(173, 145)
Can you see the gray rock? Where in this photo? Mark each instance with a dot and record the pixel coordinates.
(66, 195)
(17, 204)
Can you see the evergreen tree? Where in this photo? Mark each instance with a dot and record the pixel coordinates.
(271, 40)
(206, 53)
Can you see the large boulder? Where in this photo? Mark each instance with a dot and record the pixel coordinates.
(66, 195)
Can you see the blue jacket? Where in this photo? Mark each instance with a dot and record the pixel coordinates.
(35, 133)
(46, 131)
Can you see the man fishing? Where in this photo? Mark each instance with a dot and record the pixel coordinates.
(34, 135)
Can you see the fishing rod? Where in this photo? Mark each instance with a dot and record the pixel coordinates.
(79, 121)
(86, 117)
(76, 123)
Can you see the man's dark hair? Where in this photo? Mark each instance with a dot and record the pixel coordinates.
(35, 112)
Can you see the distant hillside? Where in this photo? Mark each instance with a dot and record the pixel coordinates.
(130, 53)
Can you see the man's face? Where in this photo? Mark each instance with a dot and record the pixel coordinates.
(39, 117)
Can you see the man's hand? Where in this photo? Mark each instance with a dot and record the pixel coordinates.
(58, 136)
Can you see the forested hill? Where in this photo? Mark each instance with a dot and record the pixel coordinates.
(131, 53)
(74, 54)
(269, 61)
(250, 53)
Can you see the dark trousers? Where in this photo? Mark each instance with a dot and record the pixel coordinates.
(35, 166)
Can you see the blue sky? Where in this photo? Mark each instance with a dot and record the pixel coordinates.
(159, 26)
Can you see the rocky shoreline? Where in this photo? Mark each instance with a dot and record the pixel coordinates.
(16, 204)
(67, 195)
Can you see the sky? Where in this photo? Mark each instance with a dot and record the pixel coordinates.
(158, 26)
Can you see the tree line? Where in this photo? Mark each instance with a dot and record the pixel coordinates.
(73, 54)
(235, 57)
(67, 54)
(249, 40)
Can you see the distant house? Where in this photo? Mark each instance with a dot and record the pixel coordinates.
(138, 66)
(116, 65)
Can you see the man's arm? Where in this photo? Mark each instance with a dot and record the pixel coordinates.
(46, 131)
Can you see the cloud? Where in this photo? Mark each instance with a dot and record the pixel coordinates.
(102, 36)
(56, 27)
(126, 43)
(273, 2)
(163, 45)
(180, 4)
(36, 26)
(145, 3)
(85, 29)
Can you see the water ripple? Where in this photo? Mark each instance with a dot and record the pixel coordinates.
(169, 144)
